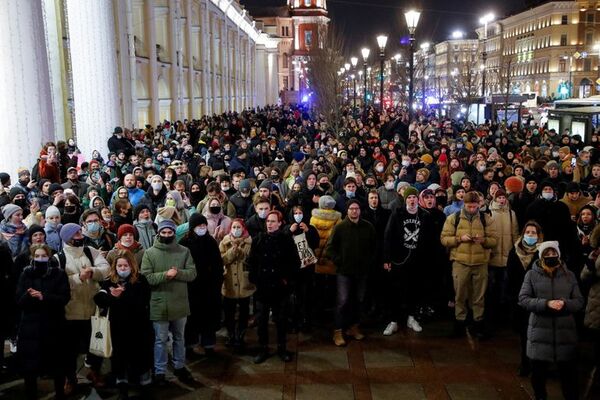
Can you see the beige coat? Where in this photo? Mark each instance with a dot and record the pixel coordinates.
(82, 306)
(236, 284)
(507, 229)
(469, 253)
(324, 221)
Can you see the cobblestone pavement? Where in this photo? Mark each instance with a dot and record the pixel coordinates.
(405, 366)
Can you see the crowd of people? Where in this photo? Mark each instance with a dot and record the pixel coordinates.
(236, 219)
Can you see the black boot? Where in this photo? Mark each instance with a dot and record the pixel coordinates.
(123, 391)
(479, 330)
(283, 354)
(262, 355)
(459, 329)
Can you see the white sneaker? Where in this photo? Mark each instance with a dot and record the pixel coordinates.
(413, 324)
(13, 346)
(391, 329)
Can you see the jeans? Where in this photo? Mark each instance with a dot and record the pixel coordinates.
(405, 291)
(161, 333)
(351, 291)
(236, 333)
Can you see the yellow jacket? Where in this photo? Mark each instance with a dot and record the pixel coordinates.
(324, 221)
(469, 253)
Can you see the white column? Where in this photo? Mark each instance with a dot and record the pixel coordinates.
(25, 97)
(224, 47)
(261, 78)
(127, 61)
(152, 62)
(193, 109)
(95, 87)
(174, 47)
(205, 40)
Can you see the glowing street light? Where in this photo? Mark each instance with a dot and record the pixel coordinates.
(381, 42)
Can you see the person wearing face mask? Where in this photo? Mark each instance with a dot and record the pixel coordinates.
(301, 317)
(237, 289)
(42, 294)
(127, 239)
(218, 223)
(169, 267)
(520, 260)
(156, 194)
(145, 227)
(85, 267)
(126, 295)
(551, 294)
(555, 219)
(204, 292)
(117, 142)
(257, 222)
(350, 193)
(242, 199)
(387, 192)
(95, 234)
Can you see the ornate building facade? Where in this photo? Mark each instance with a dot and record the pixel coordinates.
(78, 68)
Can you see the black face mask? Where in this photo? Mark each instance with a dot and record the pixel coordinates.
(325, 186)
(21, 203)
(77, 242)
(551, 262)
(441, 200)
(70, 209)
(215, 210)
(166, 239)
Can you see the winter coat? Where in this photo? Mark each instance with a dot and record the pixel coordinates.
(453, 208)
(575, 206)
(8, 284)
(130, 327)
(591, 276)
(236, 283)
(138, 254)
(52, 236)
(42, 324)
(273, 264)
(324, 221)
(469, 253)
(169, 299)
(81, 306)
(507, 230)
(146, 232)
(242, 204)
(386, 196)
(218, 225)
(204, 291)
(15, 237)
(351, 247)
(551, 335)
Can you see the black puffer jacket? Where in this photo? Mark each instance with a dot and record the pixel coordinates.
(551, 335)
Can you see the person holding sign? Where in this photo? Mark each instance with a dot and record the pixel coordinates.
(306, 238)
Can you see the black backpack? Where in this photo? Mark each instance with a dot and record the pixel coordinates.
(35, 171)
(62, 259)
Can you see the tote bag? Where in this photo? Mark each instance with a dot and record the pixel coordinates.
(100, 341)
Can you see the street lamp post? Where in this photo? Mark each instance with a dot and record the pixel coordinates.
(354, 62)
(365, 55)
(412, 20)
(381, 42)
(347, 68)
(484, 20)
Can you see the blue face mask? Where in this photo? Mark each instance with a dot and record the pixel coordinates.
(124, 274)
(349, 194)
(530, 240)
(298, 218)
(93, 227)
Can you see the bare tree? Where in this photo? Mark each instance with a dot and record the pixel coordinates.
(323, 65)
(505, 81)
(465, 82)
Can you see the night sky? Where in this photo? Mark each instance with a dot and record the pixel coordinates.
(362, 20)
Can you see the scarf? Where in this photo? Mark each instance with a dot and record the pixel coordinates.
(133, 248)
(525, 252)
(10, 230)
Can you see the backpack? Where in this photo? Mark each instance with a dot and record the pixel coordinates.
(62, 259)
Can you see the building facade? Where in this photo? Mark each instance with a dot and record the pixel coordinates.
(78, 68)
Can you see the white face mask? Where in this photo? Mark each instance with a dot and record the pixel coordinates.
(481, 168)
(389, 185)
(200, 231)
(157, 186)
(236, 233)
(262, 214)
(127, 242)
(298, 218)
(379, 168)
(547, 195)
(405, 163)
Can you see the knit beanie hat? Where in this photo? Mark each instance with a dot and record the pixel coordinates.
(126, 228)
(33, 229)
(425, 172)
(514, 184)
(138, 209)
(327, 202)
(410, 191)
(52, 211)
(14, 191)
(197, 219)
(9, 210)
(167, 224)
(565, 150)
(426, 158)
(499, 193)
(266, 184)
(68, 231)
(553, 244)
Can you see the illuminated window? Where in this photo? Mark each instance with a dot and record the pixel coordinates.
(308, 37)
(563, 39)
(307, 3)
(564, 20)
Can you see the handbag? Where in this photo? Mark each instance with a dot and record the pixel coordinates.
(100, 340)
